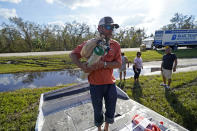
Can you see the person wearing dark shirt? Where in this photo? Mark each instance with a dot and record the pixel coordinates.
(169, 63)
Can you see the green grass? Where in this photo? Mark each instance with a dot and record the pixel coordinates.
(149, 55)
(153, 55)
(178, 104)
(19, 109)
(35, 63)
(58, 62)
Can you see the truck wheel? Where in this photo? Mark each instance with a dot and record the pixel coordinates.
(192, 46)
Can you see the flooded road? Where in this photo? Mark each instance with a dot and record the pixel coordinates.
(10, 82)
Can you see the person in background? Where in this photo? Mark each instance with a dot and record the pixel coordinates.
(137, 66)
(101, 78)
(122, 70)
(169, 63)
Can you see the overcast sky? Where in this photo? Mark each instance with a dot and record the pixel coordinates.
(148, 14)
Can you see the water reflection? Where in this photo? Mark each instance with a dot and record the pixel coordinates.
(29, 77)
(9, 82)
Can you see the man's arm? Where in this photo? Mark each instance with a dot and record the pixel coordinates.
(161, 65)
(102, 64)
(117, 63)
(107, 64)
(77, 61)
(175, 64)
(113, 64)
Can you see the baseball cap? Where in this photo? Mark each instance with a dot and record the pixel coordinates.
(166, 47)
(108, 21)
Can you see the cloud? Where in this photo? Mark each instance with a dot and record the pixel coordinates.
(74, 4)
(142, 14)
(11, 1)
(133, 20)
(7, 13)
(50, 1)
(150, 15)
(90, 19)
(124, 12)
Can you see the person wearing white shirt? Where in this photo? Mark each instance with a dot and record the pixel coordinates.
(137, 66)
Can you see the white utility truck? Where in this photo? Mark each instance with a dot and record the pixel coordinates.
(175, 38)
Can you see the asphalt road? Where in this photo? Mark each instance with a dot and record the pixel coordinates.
(52, 53)
(60, 52)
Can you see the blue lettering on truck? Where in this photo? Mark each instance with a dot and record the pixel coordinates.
(173, 37)
(184, 37)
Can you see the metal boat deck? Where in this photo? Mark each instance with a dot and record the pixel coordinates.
(70, 109)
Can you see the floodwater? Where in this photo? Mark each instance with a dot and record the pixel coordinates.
(10, 82)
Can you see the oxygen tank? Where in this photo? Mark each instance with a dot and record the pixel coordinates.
(96, 55)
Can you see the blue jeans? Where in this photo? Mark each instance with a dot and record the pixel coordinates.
(109, 93)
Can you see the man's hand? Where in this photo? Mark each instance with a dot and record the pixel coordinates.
(174, 69)
(97, 65)
(89, 69)
(85, 68)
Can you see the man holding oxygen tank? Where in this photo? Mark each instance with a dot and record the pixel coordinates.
(100, 71)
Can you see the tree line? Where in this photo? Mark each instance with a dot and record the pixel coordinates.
(26, 36)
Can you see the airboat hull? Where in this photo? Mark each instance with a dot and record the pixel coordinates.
(70, 109)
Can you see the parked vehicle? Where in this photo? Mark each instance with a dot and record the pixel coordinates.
(148, 42)
(175, 38)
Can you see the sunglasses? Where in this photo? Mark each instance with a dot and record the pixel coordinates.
(109, 27)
